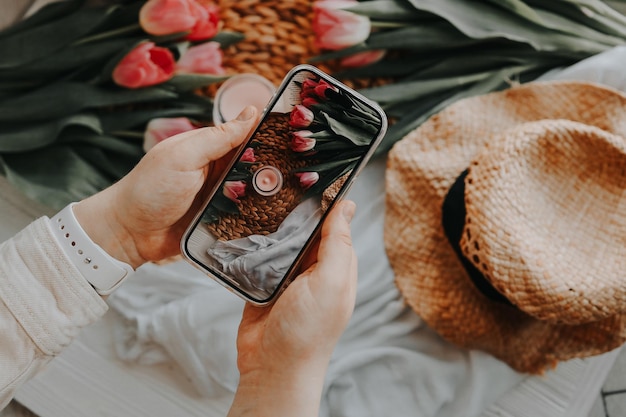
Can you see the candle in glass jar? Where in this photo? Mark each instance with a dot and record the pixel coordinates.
(267, 180)
(238, 92)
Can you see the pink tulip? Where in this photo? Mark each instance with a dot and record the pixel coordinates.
(315, 89)
(301, 141)
(248, 156)
(166, 17)
(205, 58)
(234, 189)
(207, 21)
(300, 117)
(143, 66)
(309, 102)
(307, 179)
(160, 129)
(363, 58)
(337, 29)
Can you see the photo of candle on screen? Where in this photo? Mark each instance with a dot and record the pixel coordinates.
(288, 174)
(267, 180)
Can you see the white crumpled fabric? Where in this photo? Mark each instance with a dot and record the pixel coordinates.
(248, 257)
(386, 363)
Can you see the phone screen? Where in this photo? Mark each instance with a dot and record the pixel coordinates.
(312, 139)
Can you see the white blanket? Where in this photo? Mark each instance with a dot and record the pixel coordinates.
(388, 363)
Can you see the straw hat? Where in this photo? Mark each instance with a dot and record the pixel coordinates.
(524, 254)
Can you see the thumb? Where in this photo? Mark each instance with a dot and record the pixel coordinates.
(196, 148)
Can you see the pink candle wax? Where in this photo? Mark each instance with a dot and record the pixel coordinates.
(267, 180)
(238, 92)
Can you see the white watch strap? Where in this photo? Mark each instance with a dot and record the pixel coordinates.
(100, 269)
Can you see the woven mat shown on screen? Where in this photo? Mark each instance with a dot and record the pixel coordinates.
(263, 214)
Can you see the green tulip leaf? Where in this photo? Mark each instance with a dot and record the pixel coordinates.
(497, 81)
(111, 143)
(40, 176)
(329, 165)
(223, 203)
(406, 91)
(227, 38)
(190, 82)
(66, 60)
(33, 136)
(210, 215)
(65, 98)
(388, 10)
(391, 67)
(482, 20)
(591, 13)
(331, 146)
(124, 120)
(356, 135)
(44, 40)
(111, 164)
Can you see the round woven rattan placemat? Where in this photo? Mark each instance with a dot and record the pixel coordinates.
(263, 214)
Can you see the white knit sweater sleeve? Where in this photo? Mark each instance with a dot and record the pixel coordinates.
(44, 302)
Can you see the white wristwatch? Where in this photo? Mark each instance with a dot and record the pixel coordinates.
(100, 269)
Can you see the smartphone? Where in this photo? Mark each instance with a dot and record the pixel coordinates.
(266, 211)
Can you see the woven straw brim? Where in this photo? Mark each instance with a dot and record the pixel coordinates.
(545, 219)
(421, 169)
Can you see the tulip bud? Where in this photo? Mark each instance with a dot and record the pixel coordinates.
(143, 66)
(300, 117)
(205, 58)
(309, 102)
(234, 189)
(301, 141)
(338, 29)
(160, 129)
(363, 58)
(166, 17)
(207, 21)
(248, 155)
(307, 179)
(315, 89)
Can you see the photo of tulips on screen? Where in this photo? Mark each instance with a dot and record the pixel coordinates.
(287, 176)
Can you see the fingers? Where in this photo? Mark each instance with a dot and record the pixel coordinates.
(196, 148)
(336, 262)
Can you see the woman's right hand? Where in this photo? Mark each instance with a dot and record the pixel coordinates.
(284, 348)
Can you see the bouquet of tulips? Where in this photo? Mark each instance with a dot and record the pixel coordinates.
(438, 51)
(234, 187)
(85, 91)
(332, 129)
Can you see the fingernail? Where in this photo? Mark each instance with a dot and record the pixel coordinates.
(348, 210)
(246, 114)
